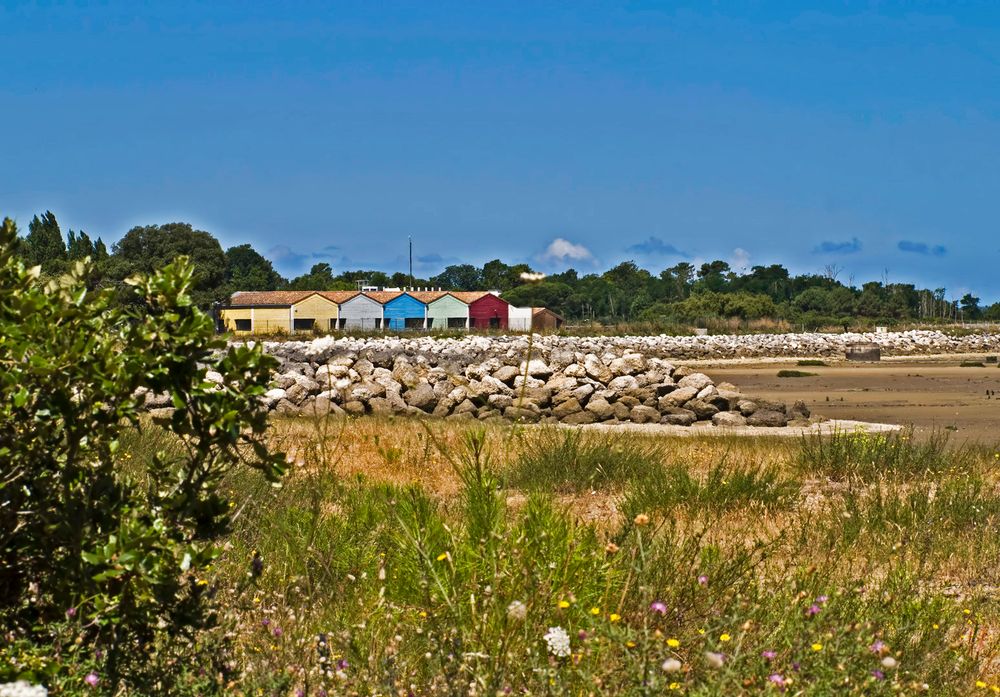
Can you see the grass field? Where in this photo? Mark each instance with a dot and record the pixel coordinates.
(405, 557)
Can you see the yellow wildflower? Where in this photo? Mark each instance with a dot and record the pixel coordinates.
(817, 647)
(673, 643)
(724, 637)
(564, 604)
(614, 617)
(442, 556)
(675, 686)
(595, 611)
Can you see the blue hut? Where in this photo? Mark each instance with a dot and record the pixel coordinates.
(404, 312)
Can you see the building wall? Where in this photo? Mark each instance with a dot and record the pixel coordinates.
(398, 310)
(488, 308)
(519, 319)
(267, 320)
(361, 312)
(320, 309)
(447, 308)
(230, 315)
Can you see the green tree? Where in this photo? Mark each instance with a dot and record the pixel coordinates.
(970, 306)
(102, 559)
(459, 277)
(44, 245)
(246, 269)
(145, 249)
(320, 277)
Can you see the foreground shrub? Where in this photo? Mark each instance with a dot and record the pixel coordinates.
(103, 568)
(845, 455)
(571, 460)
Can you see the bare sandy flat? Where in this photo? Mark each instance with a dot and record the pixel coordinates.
(926, 393)
(707, 429)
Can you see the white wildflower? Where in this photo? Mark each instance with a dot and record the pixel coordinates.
(715, 660)
(22, 689)
(558, 641)
(889, 662)
(671, 665)
(517, 611)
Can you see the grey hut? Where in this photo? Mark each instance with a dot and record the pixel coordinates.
(361, 313)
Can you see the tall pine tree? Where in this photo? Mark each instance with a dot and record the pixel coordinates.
(44, 245)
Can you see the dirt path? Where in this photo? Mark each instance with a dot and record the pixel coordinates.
(928, 393)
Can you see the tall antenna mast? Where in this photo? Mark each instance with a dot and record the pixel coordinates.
(411, 260)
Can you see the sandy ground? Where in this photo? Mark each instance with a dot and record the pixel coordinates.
(707, 429)
(928, 393)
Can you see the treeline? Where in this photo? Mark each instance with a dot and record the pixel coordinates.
(681, 294)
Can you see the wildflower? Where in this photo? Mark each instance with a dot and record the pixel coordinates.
(714, 659)
(70, 613)
(822, 599)
(641, 520)
(563, 604)
(673, 643)
(558, 642)
(889, 662)
(611, 548)
(595, 611)
(614, 617)
(817, 647)
(878, 646)
(442, 556)
(724, 637)
(671, 665)
(517, 611)
(813, 610)
(966, 611)
(659, 607)
(675, 686)
(777, 679)
(703, 580)
(278, 632)
(878, 675)
(981, 685)
(266, 622)
(92, 679)
(769, 655)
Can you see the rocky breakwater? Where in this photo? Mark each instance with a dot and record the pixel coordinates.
(496, 380)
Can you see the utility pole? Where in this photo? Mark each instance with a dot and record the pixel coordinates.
(411, 260)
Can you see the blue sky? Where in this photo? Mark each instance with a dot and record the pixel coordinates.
(865, 135)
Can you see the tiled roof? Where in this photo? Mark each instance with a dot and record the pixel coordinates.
(428, 296)
(339, 296)
(383, 296)
(288, 297)
(469, 296)
(269, 297)
(539, 310)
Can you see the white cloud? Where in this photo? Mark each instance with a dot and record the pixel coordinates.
(740, 260)
(562, 250)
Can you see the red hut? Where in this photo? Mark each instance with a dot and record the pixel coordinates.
(486, 310)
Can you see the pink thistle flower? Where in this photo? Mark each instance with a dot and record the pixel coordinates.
(769, 655)
(777, 679)
(659, 607)
(813, 610)
(92, 679)
(703, 580)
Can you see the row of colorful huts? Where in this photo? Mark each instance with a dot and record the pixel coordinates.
(288, 311)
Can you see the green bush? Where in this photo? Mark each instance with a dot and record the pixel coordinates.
(795, 374)
(103, 567)
(866, 456)
(811, 361)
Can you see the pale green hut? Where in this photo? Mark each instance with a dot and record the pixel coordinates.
(444, 310)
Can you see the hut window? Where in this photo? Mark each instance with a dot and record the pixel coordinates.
(414, 322)
(494, 322)
(378, 322)
(430, 322)
(342, 322)
(456, 323)
(243, 325)
(304, 325)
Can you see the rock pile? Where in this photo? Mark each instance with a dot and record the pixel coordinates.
(491, 378)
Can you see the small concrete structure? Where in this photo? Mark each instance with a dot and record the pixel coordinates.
(519, 319)
(863, 352)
